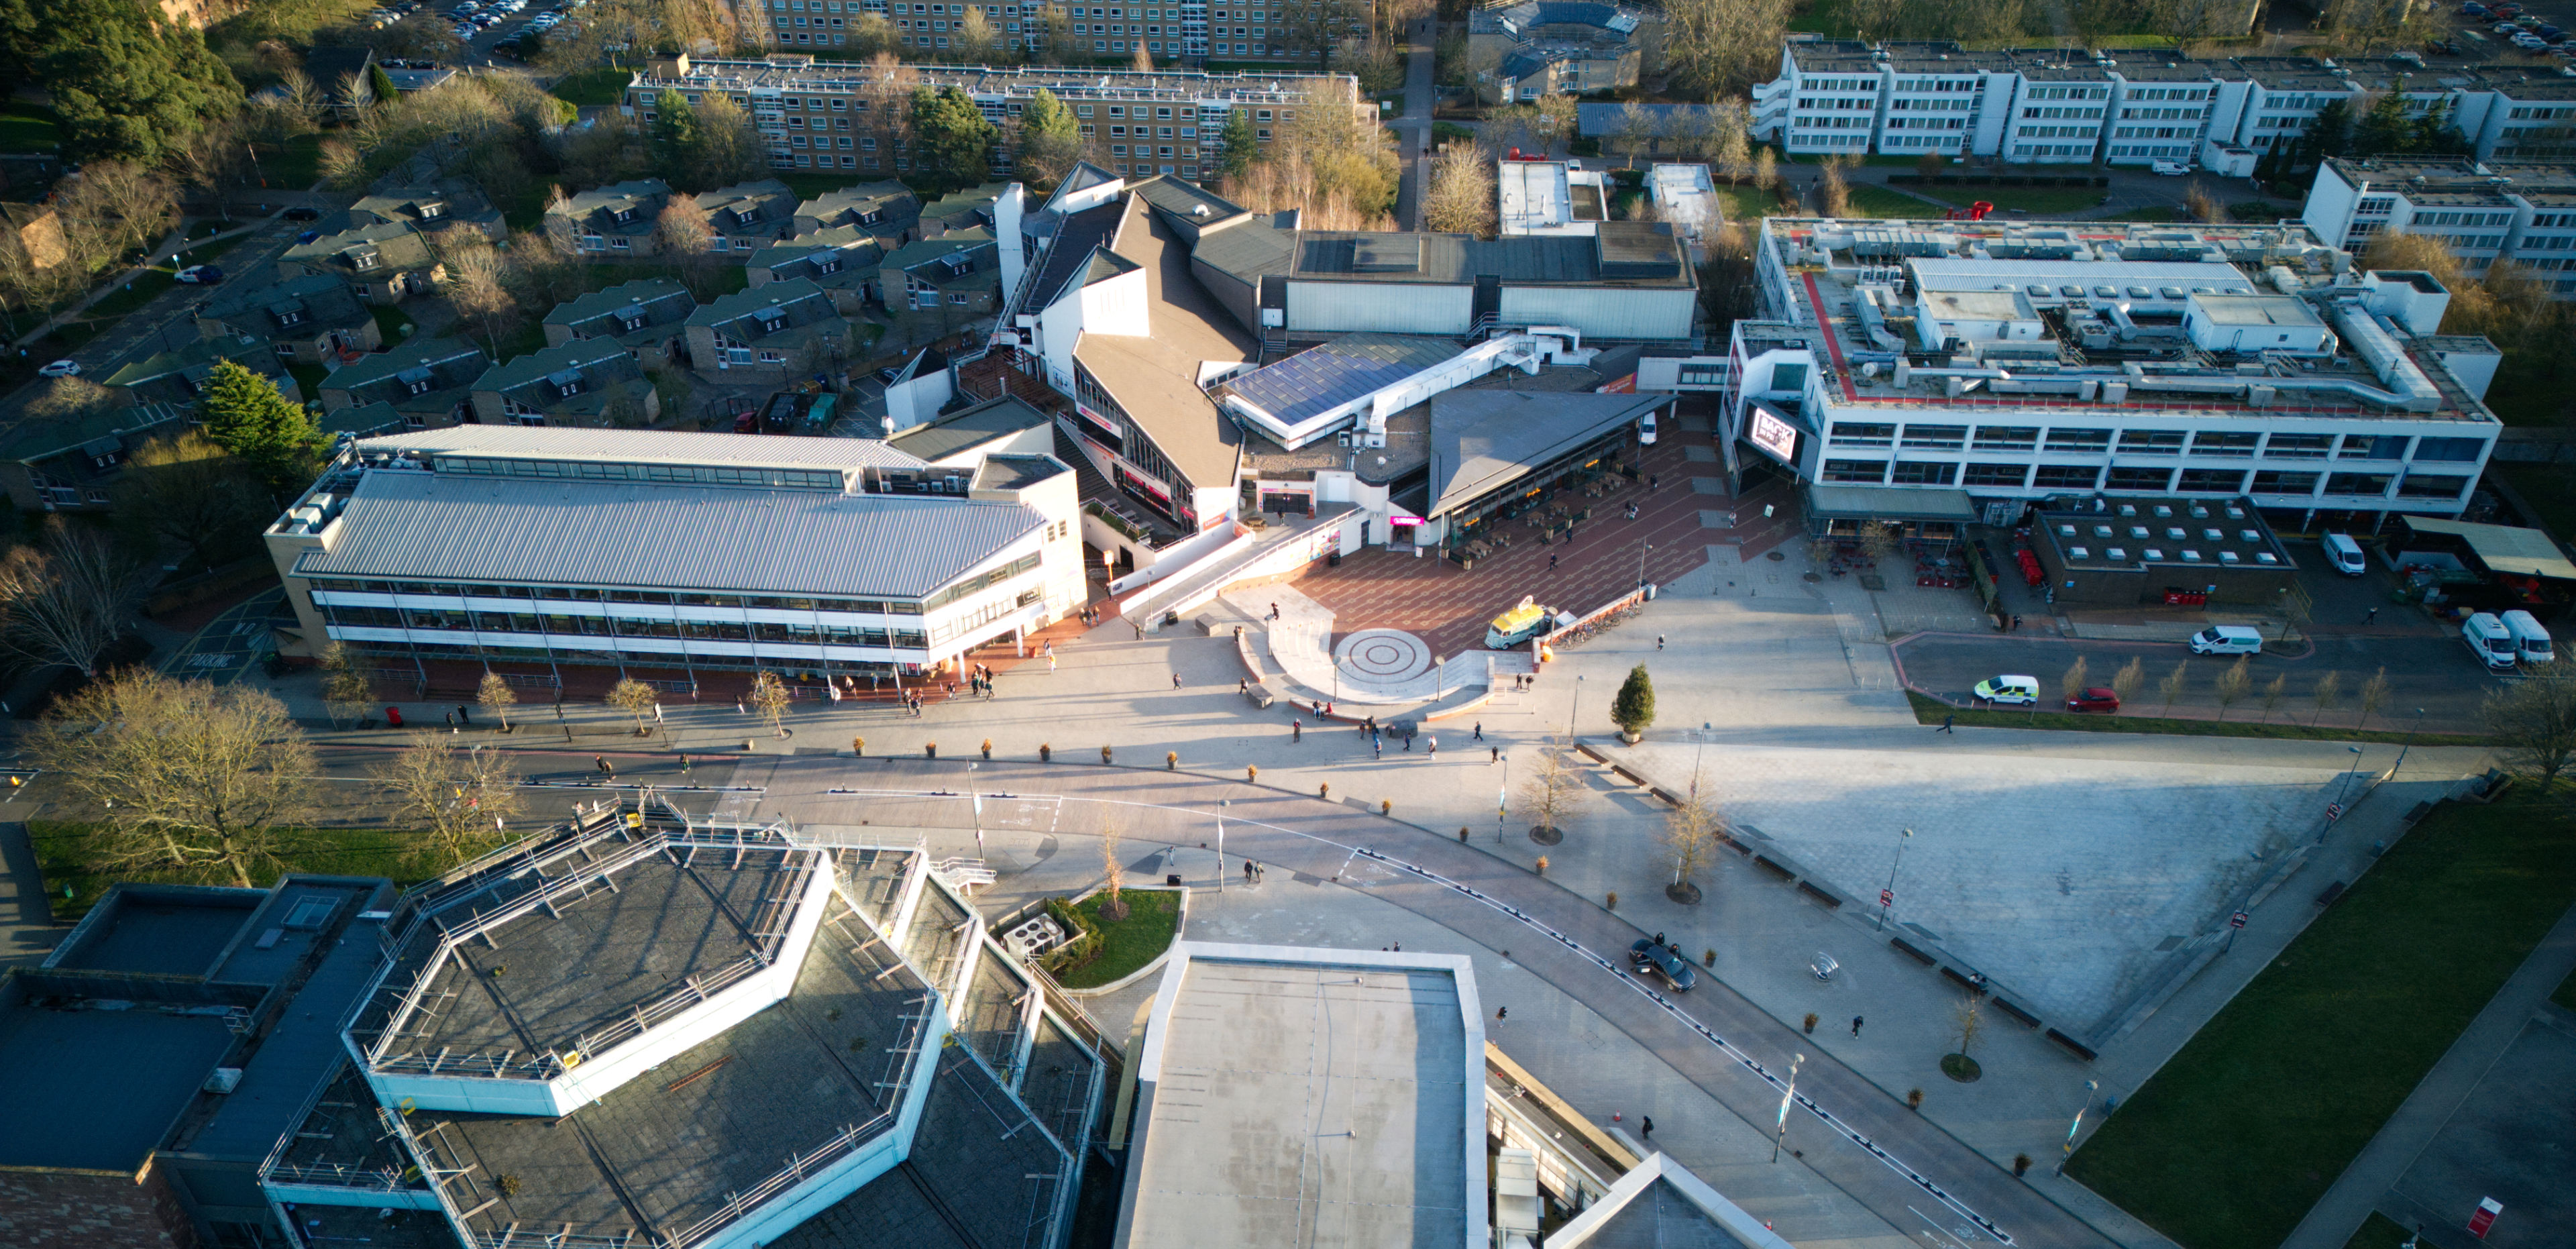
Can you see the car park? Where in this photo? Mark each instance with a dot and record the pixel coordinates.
(2094, 698)
(201, 275)
(60, 368)
(2017, 691)
(2492, 642)
(2530, 641)
(2473, 10)
(1661, 960)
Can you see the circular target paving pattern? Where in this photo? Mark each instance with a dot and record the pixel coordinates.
(1383, 654)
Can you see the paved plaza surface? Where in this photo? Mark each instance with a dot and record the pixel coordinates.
(2509, 1140)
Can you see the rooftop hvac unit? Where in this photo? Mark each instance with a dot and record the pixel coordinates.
(224, 1080)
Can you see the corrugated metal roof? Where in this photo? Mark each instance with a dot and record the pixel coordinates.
(1481, 439)
(1318, 378)
(405, 524)
(640, 446)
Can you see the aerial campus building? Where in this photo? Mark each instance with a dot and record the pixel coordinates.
(680, 552)
(2484, 211)
(628, 1030)
(1985, 365)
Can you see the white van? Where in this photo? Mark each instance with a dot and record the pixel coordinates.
(2488, 637)
(2529, 639)
(2227, 640)
(2345, 554)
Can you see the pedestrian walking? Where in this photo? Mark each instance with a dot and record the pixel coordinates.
(684, 766)
(451, 721)
(1408, 742)
(1435, 745)
(1551, 563)
(1176, 680)
(1050, 650)
(1274, 611)
(1653, 480)
(2016, 624)
(1480, 732)
(1659, 641)
(1247, 871)
(1498, 754)
(606, 768)
(1243, 685)
(465, 717)
(1645, 1127)
(1946, 722)
(2373, 615)
(1855, 1025)
(1377, 747)
(1050, 663)
(1502, 1013)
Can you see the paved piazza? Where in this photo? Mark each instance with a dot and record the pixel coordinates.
(1385, 654)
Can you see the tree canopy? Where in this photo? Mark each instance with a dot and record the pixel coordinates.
(127, 84)
(1050, 140)
(952, 142)
(1634, 708)
(244, 414)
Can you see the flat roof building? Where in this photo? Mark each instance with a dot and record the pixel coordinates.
(2484, 211)
(674, 551)
(1291, 1096)
(2016, 361)
(1549, 197)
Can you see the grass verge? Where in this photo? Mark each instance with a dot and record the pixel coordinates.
(1930, 710)
(2566, 994)
(1870, 200)
(2379, 1232)
(597, 87)
(26, 126)
(1153, 916)
(60, 855)
(2031, 199)
(392, 323)
(2231, 1143)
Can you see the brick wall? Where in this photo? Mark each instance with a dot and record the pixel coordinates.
(46, 1208)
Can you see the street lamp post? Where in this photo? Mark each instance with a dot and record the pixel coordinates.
(2090, 1088)
(1887, 896)
(1780, 1130)
(977, 801)
(2408, 744)
(2342, 788)
(1642, 547)
(1697, 754)
(1503, 798)
(1575, 711)
(1221, 805)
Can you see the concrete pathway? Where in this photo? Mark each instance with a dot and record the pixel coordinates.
(2366, 1184)
(1413, 130)
(27, 929)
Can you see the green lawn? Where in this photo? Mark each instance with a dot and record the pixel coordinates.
(308, 378)
(294, 167)
(2157, 213)
(1870, 200)
(1153, 916)
(392, 323)
(132, 295)
(2566, 994)
(2380, 1232)
(597, 87)
(1930, 710)
(326, 851)
(2031, 199)
(2232, 1142)
(28, 127)
(2550, 489)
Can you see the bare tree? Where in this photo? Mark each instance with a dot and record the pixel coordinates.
(183, 774)
(2272, 693)
(2072, 683)
(2203, 206)
(214, 160)
(1691, 833)
(66, 602)
(1833, 194)
(2131, 676)
(186, 493)
(1969, 1017)
(1462, 191)
(496, 698)
(1110, 835)
(461, 800)
(479, 282)
(345, 692)
(636, 699)
(1550, 792)
(769, 697)
(2535, 720)
(115, 210)
(1636, 131)
(2172, 686)
(1144, 61)
(685, 237)
(1721, 47)
(1766, 169)
(2329, 693)
(1556, 120)
(2233, 681)
(2374, 694)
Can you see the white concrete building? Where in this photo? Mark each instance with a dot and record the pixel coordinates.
(2484, 211)
(2004, 362)
(1549, 197)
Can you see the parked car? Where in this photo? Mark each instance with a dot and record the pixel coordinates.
(2096, 698)
(2473, 9)
(303, 213)
(201, 275)
(2227, 640)
(60, 368)
(2169, 168)
(2345, 555)
(1647, 957)
(2013, 690)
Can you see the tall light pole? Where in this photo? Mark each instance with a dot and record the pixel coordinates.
(2342, 788)
(2090, 1087)
(1698, 753)
(1503, 798)
(1221, 805)
(977, 800)
(1780, 1131)
(1643, 546)
(2409, 744)
(1576, 710)
(1887, 896)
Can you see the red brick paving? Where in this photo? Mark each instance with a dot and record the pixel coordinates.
(1448, 606)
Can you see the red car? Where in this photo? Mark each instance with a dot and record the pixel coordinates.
(2094, 699)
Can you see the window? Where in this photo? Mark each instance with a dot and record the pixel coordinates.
(2007, 437)
(2012, 475)
(1852, 434)
(2270, 482)
(2155, 480)
(2213, 480)
(2359, 483)
(2298, 446)
(1871, 472)
(2424, 486)
(2150, 442)
(2450, 450)
(2371, 447)
(1910, 473)
(1936, 437)
(2212, 443)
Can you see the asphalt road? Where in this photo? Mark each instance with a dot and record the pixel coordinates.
(2437, 674)
(1893, 1161)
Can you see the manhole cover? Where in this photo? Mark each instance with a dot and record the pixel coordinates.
(1776, 556)
(1815, 576)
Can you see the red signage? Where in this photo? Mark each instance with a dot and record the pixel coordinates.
(2334, 811)
(1887, 897)
(2488, 1209)
(1624, 386)
(2238, 919)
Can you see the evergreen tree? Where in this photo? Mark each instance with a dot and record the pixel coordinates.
(128, 85)
(2433, 132)
(1050, 140)
(1241, 147)
(1634, 708)
(2385, 128)
(244, 414)
(952, 143)
(675, 134)
(381, 85)
(2329, 134)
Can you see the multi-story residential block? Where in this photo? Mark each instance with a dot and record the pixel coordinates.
(771, 332)
(2484, 211)
(615, 222)
(678, 551)
(830, 115)
(2005, 362)
(749, 216)
(645, 316)
(2128, 107)
(593, 381)
(306, 319)
(428, 380)
(386, 261)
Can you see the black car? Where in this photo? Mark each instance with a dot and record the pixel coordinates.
(302, 213)
(1664, 962)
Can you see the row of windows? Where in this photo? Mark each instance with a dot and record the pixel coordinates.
(618, 627)
(2148, 480)
(658, 598)
(591, 470)
(2155, 442)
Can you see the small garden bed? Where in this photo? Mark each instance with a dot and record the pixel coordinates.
(1113, 949)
